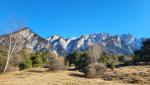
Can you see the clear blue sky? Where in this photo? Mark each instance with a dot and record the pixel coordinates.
(69, 18)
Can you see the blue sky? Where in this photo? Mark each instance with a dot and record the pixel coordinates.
(71, 18)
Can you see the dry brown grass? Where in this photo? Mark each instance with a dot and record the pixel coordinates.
(41, 76)
(130, 74)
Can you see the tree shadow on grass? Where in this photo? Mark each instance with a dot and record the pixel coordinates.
(77, 75)
(36, 71)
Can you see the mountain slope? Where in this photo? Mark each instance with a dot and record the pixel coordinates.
(27, 39)
(124, 44)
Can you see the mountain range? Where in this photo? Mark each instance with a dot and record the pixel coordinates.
(124, 44)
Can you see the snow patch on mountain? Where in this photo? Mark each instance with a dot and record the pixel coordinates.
(117, 44)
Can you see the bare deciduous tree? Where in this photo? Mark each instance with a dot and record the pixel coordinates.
(13, 40)
(95, 52)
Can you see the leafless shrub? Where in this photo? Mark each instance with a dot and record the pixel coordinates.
(56, 64)
(95, 70)
(11, 69)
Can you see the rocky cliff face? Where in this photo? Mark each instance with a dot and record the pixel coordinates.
(115, 44)
(27, 39)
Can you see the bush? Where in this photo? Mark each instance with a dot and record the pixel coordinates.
(25, 64)
(111, 65)
(11, 68)
(73, 58)
(56, 64)
(143, 55)
(104, 59)
(95, 70)
(79, 59)
(22, 66)
(44, 57)
(36, 60)
(83, 61)
(2, 63)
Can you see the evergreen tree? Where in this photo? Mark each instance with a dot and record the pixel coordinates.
(143, 54)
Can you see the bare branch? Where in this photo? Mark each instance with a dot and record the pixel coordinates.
(14, 47)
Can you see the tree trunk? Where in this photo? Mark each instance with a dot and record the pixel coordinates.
(8, 55)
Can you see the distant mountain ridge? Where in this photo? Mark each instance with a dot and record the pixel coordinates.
(124, 44)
